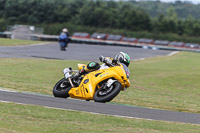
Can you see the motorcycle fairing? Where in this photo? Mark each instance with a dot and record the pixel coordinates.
(87, 87)
(81, 66)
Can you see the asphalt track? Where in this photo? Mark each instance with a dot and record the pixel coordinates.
(75, 52)
(101, 108)
(88, 52)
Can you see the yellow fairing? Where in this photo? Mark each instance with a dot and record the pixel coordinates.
(90, 82)
(81, 66)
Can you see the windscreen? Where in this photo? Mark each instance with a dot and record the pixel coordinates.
(126, 70)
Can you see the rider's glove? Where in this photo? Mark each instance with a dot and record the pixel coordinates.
(105, 60)
(101, 58)
(108, 61)
(115, 61)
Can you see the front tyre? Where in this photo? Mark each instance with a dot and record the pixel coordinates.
(62, 88)
(107, 94)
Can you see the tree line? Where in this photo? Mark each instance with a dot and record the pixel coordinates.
(182, 8)
(91, 16)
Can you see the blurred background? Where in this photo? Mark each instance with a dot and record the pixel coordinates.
(150, 20)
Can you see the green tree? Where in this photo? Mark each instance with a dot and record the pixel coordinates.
(3, 24)
(196, 28)
(133, 19)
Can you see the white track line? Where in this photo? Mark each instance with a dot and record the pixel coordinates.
(6, 90)
(171, 54)
(28, 45)
(37, 44)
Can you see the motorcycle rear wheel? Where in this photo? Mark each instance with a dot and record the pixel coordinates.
(60, 90)
(102, 97)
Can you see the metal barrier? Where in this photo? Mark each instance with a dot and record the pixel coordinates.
(105, 42)
(127, 44)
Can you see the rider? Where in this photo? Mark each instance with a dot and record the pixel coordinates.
(64, 37)
(108, 61)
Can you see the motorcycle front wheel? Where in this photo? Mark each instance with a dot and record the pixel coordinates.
(107, 94)
(62, 88)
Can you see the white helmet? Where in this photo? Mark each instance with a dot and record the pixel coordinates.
(65, 30)
(123, 58)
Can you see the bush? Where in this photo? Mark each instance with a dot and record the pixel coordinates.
(55, 29)
(3, 25)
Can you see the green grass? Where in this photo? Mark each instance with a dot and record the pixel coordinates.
(16, 118)
(34, 75)
(170, 83)
(15, 42)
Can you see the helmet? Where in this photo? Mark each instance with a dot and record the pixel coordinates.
(65, 30)
(123, 58)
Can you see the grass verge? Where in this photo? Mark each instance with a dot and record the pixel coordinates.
(170, 83)
(16, 118)
(15, 42)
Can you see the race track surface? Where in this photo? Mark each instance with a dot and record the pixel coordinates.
(102, 108)
(91, 53)
(76, 52)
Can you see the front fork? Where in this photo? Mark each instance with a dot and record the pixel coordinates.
(70, 81)
(68, 74)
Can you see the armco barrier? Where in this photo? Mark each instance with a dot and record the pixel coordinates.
(44, 37)
(113, 43)
(137, 45)
(5, 34)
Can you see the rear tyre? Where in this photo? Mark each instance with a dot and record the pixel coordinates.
(62, 88)
(106, 95)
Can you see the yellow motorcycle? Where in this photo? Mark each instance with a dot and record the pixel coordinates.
(101, 85)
